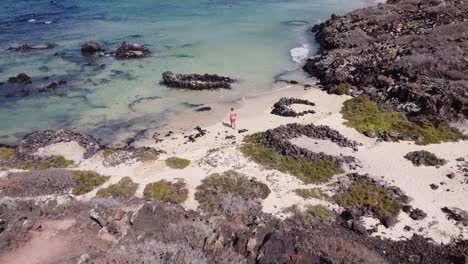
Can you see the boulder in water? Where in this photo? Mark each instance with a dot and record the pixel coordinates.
(91, 47)
(131, 51)
(21, 78)
(196, 81)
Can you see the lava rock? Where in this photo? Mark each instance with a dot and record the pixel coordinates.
(282, 107)
(196, 81)
(21, 78)
(203, 109)
(131, 51)
(417, 214)
(91, 47)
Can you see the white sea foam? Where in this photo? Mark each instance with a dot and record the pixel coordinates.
(32, 20)
(48, 22)
(299, 54)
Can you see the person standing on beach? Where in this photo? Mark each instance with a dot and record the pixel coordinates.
(232, 118)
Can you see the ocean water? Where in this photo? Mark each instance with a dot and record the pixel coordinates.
(256, 42)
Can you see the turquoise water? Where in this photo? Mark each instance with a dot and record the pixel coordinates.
(247, 40)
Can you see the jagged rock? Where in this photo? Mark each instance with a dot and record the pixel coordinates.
(131, 51)
(409, 54)
(389, 221)
(196, 81)
(356, 226)
(417, 214)
(91, 47)
(451, 175)
(21, 78)
(282, 107)
(457, 214)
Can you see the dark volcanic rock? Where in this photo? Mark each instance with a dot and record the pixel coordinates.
(26, 47)
(410, 54)
(417, 214)
(91, 47)
(282, 107)
(203, 109)
(21, 78)
(131, 51)
(459, 215)
(196, 81)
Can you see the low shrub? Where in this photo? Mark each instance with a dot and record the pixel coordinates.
(363, 193)
(423, 157)
(311, 193)
(148, 156)
(106, 153)
(213, 189)
(6, 153)
(320, 212)
(25, 165)
(167, 191)
(364, 115)
(87, 181)
(253, 138)
(61, 162)
(125, 188)
(308, 171)
(177, 163)
(342, 89)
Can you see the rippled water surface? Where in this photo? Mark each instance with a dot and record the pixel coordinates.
(253, 41)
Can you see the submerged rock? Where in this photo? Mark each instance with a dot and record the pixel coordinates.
(131, 51)
(196, 81)
(26, 47)
(21, 78)
(91, 47)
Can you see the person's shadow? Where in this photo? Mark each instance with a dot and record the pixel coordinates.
(226, 124)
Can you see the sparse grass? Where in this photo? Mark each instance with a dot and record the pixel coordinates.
(213, 187)
(106, 153)
(363, 193)
(167, 191)
(364, 115)
(342, 88)
(319, 211)
(308, 171)
(6, 153)
(44, 164)
(25, 165)
(253, 138)
(423, 157)
(125, 188)
(177, 163)
(312, 193)
(460, 159)
(86, 181)
(148, 156)
(57, 162)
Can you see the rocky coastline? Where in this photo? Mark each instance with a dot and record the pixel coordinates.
(408, 54)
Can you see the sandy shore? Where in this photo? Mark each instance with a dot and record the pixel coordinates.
(217, 151)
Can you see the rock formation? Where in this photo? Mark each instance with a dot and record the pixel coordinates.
(410, 54)
(196, 81)
(131, 51)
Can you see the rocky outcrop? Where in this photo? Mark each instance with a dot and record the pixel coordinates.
(131, 51)
(196, 81)
(91, 47)
(409, 54)
(21, 78)
(31, 143)
(283, 107)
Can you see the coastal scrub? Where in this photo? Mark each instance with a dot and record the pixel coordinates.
(215, 186)
(310, 193)
(320, 212)
(423, 157)
(87, 181)
(6, 153)
(177, 163)
(125, 188)
(166, 191)
(308, 171)
(364, 194)
(364, 115)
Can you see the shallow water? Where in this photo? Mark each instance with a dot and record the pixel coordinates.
(253, 41)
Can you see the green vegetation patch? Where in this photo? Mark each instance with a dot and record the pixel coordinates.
(56, 162)
(177, 163)
(320, 212)
(213, 187)
(106, 153)
(342, 89)
(125, 188)
(423, 157)
(308, 171)
(363, 193)
(149, 156)
(364, 115)
(312, 193)
(253, 138)
(25, 165)
(6, 153)
(86, 181)
(167, 191)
